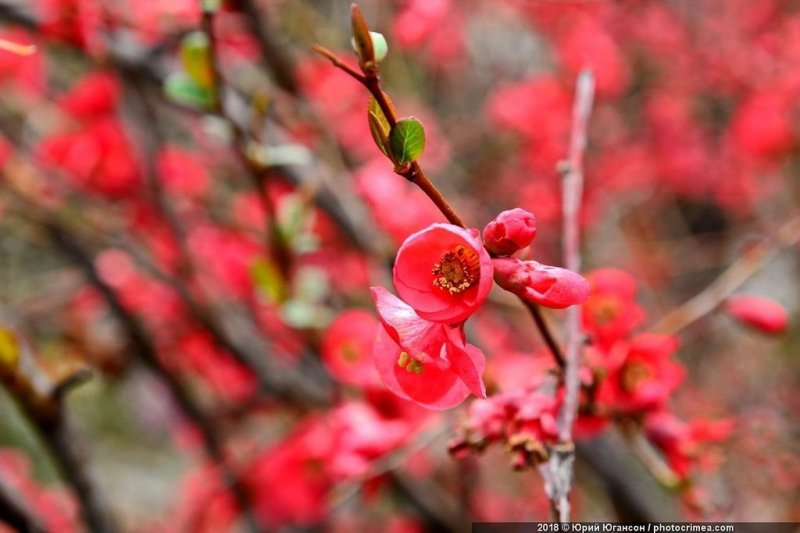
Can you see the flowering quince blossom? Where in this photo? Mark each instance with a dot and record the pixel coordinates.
(549, 286)
(524, 418)
(347, 345)
(639, 374)
(684, 443)
(611, 312)
(426, 362)
(510, 232)
(443, 272)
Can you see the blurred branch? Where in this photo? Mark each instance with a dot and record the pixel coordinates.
(42, 401)
(276, 246)
(147, 63)
(147, 352)
(634, 493)
(14, 511)
(750, 262)
(273, 54)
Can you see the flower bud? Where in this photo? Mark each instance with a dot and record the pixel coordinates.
(760, 313)
(549, 286)
(511, 231)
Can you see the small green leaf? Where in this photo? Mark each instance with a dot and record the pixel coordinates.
(184, 90)
(210, 6)
(362, 40)
(268, 281)
(407, 140)
(196, 58)
(379, 126)
(9, 349)
(300, 314)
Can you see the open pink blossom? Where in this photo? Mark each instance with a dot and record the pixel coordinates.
(347, 347)
(640, 374)
(427, 362)
(443, 272)
(510, 232)
(549, 286)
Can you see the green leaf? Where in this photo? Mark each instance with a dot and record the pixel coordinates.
(184, 90)
(300, 314)
(407, 140)
(362, 40)
(378, 126)
(267, 279)
(210, 6)
(196, 58)
(9, 349)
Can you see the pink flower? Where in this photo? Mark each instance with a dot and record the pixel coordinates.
(347, 346)
(426, 362)
(183, 173)
(761, 313)
(96, 95)
(685, 444)
(640, 374)
(545, 285)
(509, 232)
(443, 272)
(611, 312)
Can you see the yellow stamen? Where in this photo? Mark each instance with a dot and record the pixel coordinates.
(458, 270)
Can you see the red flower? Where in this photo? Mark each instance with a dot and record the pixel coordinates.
(685, 444)
(94, 96)
(611, 312)
(99, 158)
(347, 345)
(545, 285)
(640, 375)
(182, 173)
(510, 231)
(443, 272)
(426, 362)
(761, 313)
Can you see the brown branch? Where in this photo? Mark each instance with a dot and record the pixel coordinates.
(15, 512)
(41, 400)
(750, 262)
(148, 354)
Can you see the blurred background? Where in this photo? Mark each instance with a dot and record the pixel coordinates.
(192, 211)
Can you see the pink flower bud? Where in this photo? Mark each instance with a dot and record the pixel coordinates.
(545, 285)
(761, 313)
(509, 232)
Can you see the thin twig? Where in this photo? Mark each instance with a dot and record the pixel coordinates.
(14, 510)
(573, 192)
(147, 352)
(41, 399)
(559, 471)
(750, 262)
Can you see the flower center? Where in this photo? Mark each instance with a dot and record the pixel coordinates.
(604, 309)
(458, 270)
(410, 363)
(634, 375)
